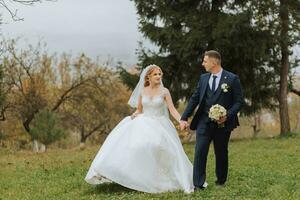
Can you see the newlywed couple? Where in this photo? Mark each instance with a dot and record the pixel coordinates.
(143, 152)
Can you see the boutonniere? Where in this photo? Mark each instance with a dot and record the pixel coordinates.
(225, 87)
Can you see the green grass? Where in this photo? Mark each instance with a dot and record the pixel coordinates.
(259, 169)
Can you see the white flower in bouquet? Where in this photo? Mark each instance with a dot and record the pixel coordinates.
(216, 112)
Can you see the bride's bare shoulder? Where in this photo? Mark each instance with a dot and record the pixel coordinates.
(165, 91)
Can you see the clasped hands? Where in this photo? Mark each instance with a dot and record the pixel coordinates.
(184, 124)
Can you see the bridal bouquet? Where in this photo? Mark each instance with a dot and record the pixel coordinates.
(216, 112)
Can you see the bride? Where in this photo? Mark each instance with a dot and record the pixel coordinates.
(143, 152)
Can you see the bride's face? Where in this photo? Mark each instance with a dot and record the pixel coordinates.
(156, 76)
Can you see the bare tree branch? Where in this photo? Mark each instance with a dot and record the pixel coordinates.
(24, 2)
(297, 92)
(97, 127)
(12, 12)
(27, 67)
(2, 114)
(64, 96)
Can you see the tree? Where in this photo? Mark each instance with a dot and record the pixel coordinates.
(2, 93)
(46, 128)
(32, 75)
(281, 19)
(184, 30)
(130, 78)
(97, 106)
(2, 99)
(287, 9)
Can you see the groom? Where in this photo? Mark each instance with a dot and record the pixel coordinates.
(216, 87)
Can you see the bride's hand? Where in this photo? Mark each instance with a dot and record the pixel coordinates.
(183, 125)
(134, 115)
(222, 120)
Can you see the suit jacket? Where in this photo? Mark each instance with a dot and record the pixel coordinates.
(232, 100)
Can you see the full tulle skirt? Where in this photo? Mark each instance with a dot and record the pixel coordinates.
(143, 154)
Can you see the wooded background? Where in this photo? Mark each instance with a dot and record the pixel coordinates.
(66, 101)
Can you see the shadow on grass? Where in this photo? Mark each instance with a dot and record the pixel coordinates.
(109, 188)
(289, 135)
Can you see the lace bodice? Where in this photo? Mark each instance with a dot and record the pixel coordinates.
(154, 106)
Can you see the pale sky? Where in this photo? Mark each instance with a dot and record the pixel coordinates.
(105, 28)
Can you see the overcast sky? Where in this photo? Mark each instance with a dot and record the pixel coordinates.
(105, 28)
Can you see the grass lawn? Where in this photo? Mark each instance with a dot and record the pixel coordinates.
(258, 169)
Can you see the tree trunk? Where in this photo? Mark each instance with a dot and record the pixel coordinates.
(26, 125)
(85, 134)
(83, 138)
(256, 124)
(297, 92)
(283, 90)
(42, 148)
(215, 11)
(82, 145)
(82, 142)
(297, 122)
(38, 147)
(35, 146)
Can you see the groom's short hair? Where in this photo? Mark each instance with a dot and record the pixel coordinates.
(213, 54)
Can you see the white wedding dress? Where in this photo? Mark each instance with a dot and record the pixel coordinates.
(144, 153)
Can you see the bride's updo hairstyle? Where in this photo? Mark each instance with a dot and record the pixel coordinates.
(149, 72)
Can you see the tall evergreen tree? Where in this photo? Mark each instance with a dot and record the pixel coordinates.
(184, 30)
(281, 18)
(46, 127)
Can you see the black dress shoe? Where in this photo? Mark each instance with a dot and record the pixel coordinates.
(219, 183)
(199, 188)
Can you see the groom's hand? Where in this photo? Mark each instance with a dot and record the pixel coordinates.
(183, 125)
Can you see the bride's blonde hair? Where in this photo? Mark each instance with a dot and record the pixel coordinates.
(149, 72)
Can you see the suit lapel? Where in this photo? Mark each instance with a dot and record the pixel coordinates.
(219, 89)
(204, 85)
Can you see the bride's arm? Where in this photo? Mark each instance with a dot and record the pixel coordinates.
(171, 106)
(139, 108)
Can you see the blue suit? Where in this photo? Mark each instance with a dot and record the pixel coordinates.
(207, 130)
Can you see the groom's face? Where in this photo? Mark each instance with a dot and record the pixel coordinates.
(208, 63)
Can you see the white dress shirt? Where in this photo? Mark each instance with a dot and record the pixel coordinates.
(210, 81)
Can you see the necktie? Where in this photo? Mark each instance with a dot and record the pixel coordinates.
(213, 88)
